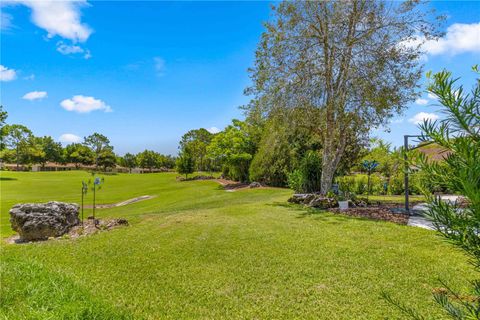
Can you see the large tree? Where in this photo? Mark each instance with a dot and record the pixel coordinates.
(17, 137)
(53, 150)
(147, 159)
(195, 142)
(129, 161)
(358, 62)
(234, 148)
(78, 154)
(98, 143)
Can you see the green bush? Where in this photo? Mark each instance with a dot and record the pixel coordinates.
(307, 177)
(360, 184)
(346, 183)
(295, 181)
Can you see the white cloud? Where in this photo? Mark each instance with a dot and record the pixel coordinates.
(35, 95)
(213, 130)
(400, 120)
(30, 77)
(5, 21)
(432, 96)
(83, 104)
(69, 138)
(67, 49)
(59, 18)
(421, 116)
(159, 66)
(7, 74)
(87, 54)
(421, 101)
(459, 38)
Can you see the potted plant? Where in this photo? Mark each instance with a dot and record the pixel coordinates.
(343, 198)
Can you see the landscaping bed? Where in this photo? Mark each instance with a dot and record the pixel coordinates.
(374, 212)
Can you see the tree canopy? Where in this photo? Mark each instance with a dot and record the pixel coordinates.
(352, 60)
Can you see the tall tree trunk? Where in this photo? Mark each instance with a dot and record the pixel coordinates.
(16, 156)
(333, 149)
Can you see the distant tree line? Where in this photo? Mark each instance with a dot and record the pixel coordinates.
(20, 146)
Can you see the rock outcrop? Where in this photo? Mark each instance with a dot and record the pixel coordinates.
(39, 221)
(313, 200)
(255, 184)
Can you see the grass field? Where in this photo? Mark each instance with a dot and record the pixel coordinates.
(198, 252)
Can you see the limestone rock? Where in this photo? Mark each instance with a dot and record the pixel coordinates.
(255, 185)
(39, 221)
(299, 197)
(323, 202)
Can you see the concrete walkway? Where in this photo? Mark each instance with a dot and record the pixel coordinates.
(418, 219)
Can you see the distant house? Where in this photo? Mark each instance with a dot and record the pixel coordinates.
(434, 152)
(53, 166)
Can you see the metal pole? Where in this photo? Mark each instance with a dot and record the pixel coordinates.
(94, 202)
(82, 205)
(405, 158)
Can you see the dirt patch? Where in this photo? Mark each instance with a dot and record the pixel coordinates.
(120, 204)
(376, 213)
(230, 185)
(89, 226)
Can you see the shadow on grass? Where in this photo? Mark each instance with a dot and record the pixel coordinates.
(317, 214)
(321, 214)
(7, 179)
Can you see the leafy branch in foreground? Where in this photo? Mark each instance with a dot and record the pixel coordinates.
(458, 134)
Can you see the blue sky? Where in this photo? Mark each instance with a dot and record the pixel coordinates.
(144, 73)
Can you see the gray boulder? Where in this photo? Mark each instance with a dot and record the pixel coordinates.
(255, 184)
(302, 198)
(39, 221)
(323, 202)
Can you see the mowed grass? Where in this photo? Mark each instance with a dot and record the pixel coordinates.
(198, 252)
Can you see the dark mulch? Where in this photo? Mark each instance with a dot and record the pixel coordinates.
(232, 185)
(382, 212)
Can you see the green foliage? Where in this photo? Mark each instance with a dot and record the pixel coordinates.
(147, 159)
(195, 142)
(286, 137)
(129, 161)
(3, 119)
(233, 149)
(313, 54)
(458, 133)
(78, 154)
(307, 177)
(98, 143)
(185, 164)
(346, 183)
(107, 159)
(16, 137)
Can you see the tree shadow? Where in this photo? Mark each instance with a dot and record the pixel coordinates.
(7, 179)
(321, 214)
(315, 213)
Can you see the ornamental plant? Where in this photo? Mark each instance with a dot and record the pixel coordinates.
(458, 134)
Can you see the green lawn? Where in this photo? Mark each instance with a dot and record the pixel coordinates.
(196, 251)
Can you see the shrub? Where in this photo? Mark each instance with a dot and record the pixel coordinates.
(346, 183)
(361, 184)
(295, 181)
(307, 177)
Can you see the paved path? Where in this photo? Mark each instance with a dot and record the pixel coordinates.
(418, 218)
